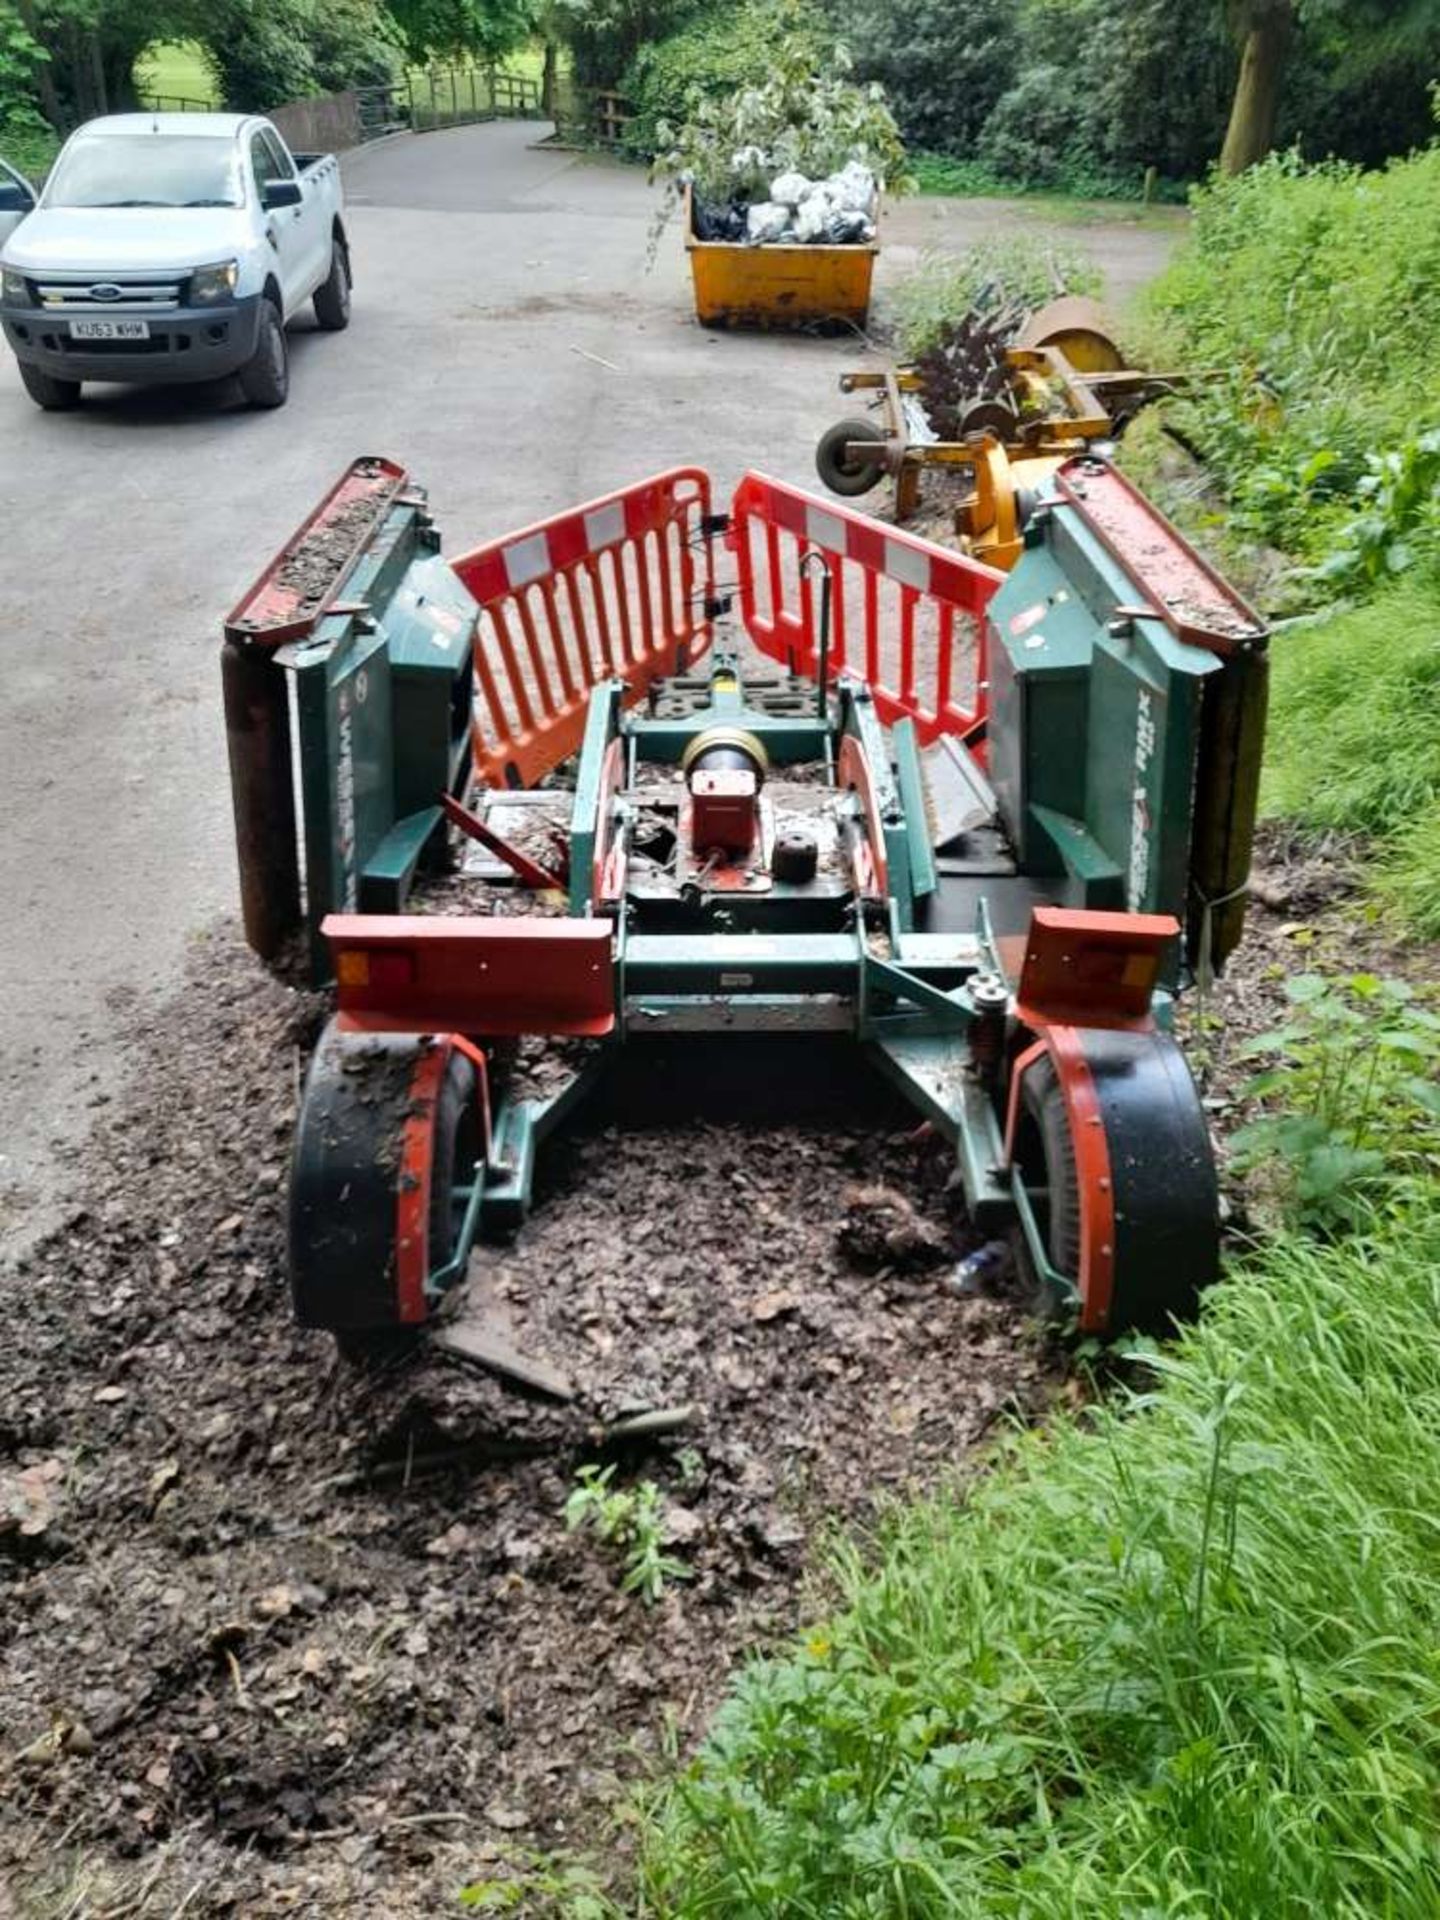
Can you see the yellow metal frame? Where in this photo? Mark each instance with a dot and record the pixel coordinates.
(1066, 410)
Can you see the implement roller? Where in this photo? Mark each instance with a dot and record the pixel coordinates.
(814, 777)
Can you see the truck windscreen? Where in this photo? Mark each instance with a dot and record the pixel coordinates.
(147, 170)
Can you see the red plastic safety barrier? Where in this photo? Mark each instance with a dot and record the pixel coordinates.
(906, 616)
(616, 589)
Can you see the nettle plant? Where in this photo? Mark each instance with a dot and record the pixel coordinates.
(1351, 1099)
(797, 121)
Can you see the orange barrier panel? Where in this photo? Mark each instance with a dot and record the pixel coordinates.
(618, 589)
(906, 616)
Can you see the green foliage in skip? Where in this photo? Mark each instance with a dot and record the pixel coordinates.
(631, 1520)
(1174, 1659)
(799, 118)
(1316, 291)
(1350, 1099)
(1015, 268)
(713, 57)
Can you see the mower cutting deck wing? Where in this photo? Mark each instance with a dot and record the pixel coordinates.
(985, 825)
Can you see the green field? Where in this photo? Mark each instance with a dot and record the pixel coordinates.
(175, 69)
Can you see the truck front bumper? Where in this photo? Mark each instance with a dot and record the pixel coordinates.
(200, 343)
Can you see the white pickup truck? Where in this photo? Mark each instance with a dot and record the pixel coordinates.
(173, 246)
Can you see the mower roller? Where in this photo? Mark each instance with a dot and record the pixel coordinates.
(1000, 405)
(982, 825)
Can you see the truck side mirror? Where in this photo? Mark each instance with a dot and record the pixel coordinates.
(281, 193)
(15, 196)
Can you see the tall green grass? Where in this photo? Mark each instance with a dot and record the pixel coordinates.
(1315, 292)
(1354, 732)
(1178, 1658)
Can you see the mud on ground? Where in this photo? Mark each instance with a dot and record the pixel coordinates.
(278, 1637)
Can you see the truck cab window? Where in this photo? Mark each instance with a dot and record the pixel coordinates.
(262, 160)
(279, 159)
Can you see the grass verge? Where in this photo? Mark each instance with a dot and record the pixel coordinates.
(1176, 1658)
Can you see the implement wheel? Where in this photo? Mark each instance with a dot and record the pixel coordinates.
(1113, 1149)
(387, 1146)
(840, 470)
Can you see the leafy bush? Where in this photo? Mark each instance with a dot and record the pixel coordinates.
(712, 57)
(942, 173)
(604, 36)
(1400, 523)
(1320, 288)
(21, 57)
(1014, 268)
(798, 120)
(943, 63)
(29, 143)
(262, 57)
(1352, 1102)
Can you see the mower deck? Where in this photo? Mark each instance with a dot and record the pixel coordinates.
(963, 825)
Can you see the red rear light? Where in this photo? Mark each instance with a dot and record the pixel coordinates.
(392, 969)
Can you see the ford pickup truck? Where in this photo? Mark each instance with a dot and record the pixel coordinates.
(173, 246)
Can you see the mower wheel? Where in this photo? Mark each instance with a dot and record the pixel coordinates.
(380, 1113)
(1161, 1197)
(840, 470)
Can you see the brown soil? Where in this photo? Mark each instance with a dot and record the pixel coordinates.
(280, 1637)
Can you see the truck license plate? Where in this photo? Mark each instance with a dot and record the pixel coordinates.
(109, 329)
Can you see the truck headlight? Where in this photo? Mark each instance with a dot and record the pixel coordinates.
(13, 287)
(210, 285)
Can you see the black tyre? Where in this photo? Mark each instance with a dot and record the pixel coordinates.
(344, 1183)
(840, 471)
(332, 299)
(1166, 1247)
(265, 377)
(1045, 1156)
(55, 396)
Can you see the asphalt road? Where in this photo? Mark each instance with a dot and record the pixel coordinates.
(492, 282)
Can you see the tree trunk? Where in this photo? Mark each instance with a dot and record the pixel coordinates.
(548, 80)
(1251, 132)
(97, 71)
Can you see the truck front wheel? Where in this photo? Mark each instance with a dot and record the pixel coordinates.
(265, 377)
(55, 396)
(332, 296)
